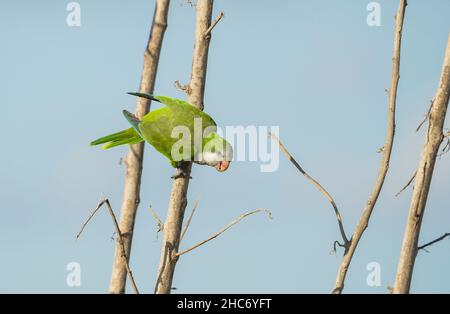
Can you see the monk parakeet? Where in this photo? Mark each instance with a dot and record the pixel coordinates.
(166, 130)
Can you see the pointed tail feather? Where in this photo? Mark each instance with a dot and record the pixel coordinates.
(128, 136)
(144, 95)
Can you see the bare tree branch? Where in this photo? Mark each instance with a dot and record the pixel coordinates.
(318, 186)
(133, 161)
(407, 184)
(442, 237)
(433, 141)
(231, 224)
(99, 205)
(386, 154)
(218, 18)
(188, 223)
(178, 198)
(119, 238)
(426, 116)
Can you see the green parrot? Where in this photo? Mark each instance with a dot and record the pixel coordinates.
(158, 127)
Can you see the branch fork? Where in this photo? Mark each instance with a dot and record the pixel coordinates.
(120, 237)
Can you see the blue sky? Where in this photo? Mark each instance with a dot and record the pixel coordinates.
(313, 68)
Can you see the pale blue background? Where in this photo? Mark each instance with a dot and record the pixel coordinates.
(312, 67)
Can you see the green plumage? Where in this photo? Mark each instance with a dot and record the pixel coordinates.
(159, 127)
(128, 136)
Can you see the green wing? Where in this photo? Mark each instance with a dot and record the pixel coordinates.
(177, 105)
(131, 118)
(156, 126)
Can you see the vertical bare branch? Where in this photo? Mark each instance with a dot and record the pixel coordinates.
(424, 175)
(178, 200)
(386, 151)
(133, 161)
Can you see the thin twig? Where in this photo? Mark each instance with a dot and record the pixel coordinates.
(407, 184)
(215, 235)
(218, 18)
(446, 147)
(427, 115)
(190, 3)
(157, 219)
(386, 154)
(318, 186)
(182, 87)
(335, 245)
(89, 218)
(442, 237)
(188, 222)
(119, 234)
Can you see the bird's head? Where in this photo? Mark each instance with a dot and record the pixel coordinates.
(217, 152)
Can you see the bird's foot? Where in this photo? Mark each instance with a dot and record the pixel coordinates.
(180, 174)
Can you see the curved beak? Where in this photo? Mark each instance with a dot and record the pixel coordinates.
(222, 166)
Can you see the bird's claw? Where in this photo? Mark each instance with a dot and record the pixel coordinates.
(180, 174)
